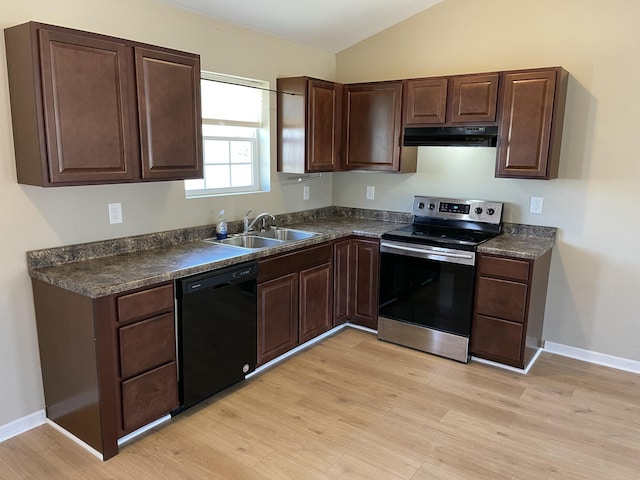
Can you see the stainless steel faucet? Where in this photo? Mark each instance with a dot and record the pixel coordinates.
(246, 221)
(260, 218)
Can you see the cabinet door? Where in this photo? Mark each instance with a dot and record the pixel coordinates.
(168, 86)
(342, 274)
(277, 317)
(87, 109)
(365, 282)
(316, 301)
(373, 126)
(524, 137)
(474, 98)
(323, 126)
(426, 101)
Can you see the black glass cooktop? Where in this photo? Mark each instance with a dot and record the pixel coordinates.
(443, 236)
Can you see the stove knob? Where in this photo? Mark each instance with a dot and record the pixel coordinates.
(490, 211)
(431, 206)
(478, 210)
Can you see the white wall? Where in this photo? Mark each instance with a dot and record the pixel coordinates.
(592, 301)
(33, 217)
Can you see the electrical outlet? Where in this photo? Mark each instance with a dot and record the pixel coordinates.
(536, 205)
(305, 192)
(115, 213)
(371, 192)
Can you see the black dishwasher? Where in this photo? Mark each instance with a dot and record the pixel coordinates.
(217, 331)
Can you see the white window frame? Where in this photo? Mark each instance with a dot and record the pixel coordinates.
(259, 144)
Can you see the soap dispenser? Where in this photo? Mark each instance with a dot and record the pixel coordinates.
(221, 227)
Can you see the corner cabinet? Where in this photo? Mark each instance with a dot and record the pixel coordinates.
(309, 119)
(459, 100)
(509, 308)
(92, 109)
(373, 128)
(295, 300)
(531, 121)
(356, 264)
(108, 364)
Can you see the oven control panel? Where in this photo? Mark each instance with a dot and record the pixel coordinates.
(472, 210)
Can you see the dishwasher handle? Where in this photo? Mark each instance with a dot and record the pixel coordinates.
(217, 278)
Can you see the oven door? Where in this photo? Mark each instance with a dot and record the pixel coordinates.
(427, 286)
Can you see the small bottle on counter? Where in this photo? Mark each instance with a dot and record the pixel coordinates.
(221, 227)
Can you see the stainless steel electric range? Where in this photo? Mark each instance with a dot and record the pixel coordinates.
(427, 274)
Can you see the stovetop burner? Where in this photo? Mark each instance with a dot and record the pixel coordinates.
(461, 224)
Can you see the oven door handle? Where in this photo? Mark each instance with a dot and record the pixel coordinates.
(426, 253)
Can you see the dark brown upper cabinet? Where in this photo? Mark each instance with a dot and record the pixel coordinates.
(309, 125)
(92, 109)
(531, 121)
(426, 101)
(373, 128)
(458, 100)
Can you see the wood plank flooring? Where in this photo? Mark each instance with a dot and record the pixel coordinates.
(353, 407)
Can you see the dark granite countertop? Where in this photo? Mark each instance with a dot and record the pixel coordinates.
(104, 268)
(107, 275)
(521, 241)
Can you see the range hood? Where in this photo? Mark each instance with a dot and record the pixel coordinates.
(481, 136)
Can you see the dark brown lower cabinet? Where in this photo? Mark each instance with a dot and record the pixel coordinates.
(315, 301)
(342, 272)
(509, 308)
(356, 270)
(295, 300)
(277, 317)
(108, 364)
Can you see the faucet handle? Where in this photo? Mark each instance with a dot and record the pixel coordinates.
(247, 214)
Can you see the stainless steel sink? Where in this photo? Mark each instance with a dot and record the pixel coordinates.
(251, 242)
(286, 234)
(269, 238)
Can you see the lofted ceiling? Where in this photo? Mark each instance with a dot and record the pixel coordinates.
(331, 25)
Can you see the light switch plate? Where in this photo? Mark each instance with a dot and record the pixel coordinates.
(536, 205)
(305, 192)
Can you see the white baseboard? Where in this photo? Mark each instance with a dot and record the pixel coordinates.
(603, 359)
(509, 367)
(141, 430)
(21, 425)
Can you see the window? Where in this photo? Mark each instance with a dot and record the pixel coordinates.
(235, 136)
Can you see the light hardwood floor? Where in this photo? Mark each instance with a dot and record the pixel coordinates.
(353, 407)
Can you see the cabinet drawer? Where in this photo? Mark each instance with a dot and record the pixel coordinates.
(149, 396)
(145, 303)
(293, 262)
(501, 298)
(504, 268)
(497, 340)
(147, 344)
